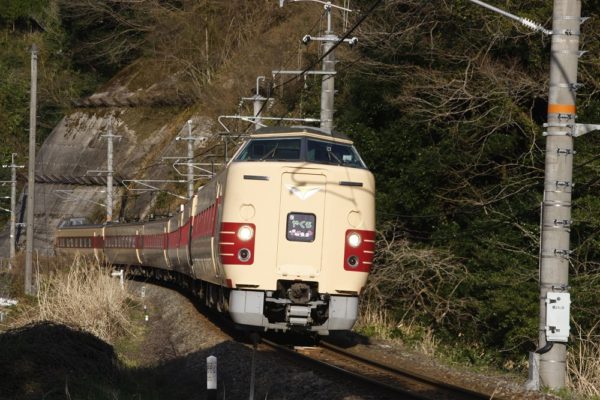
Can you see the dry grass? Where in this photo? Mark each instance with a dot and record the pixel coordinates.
(85, 297)
(415, 279)
(583, 363)
(377, 322)
(409, 288)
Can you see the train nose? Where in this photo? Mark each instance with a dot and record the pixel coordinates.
(301, 223)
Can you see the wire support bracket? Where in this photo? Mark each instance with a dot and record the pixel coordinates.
(570, 129)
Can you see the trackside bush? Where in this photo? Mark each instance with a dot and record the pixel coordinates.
(84, 296)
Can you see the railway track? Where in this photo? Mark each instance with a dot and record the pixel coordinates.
(381, 380)
(405, 384)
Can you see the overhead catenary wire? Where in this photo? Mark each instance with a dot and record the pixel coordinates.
(325, 54)
(160, 163)
(287, 61)
(288, 81)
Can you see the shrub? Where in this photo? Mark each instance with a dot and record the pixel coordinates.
(84, 296)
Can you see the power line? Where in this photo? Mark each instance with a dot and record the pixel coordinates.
(325, 54)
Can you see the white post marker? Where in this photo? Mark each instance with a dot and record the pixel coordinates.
(121, 276)
(211, 377)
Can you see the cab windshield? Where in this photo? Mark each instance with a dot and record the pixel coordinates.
(332, 153)
(271, 150)
(301, 149)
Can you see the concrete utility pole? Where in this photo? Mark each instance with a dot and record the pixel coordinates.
(109, 170)
(13, 205)
(328, 81)
(31, 173)
(558, 184)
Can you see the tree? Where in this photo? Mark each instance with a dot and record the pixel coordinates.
(446, 105)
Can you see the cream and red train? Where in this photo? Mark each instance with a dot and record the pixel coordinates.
(282, 238)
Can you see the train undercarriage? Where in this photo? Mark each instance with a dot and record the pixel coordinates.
(294, 305)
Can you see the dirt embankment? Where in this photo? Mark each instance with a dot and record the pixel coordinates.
(167, 360)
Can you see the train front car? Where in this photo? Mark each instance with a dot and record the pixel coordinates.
(297, 230)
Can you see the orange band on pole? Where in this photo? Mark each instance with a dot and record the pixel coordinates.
(561, 109)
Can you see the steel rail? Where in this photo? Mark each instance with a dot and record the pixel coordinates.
(409, 384)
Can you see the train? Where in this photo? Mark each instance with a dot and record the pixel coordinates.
(281, 239)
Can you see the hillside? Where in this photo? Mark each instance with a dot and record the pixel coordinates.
(148, 103)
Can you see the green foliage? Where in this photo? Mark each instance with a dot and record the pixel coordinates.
(446, 107)
(58, 81)
(23, 23)
(20, 11)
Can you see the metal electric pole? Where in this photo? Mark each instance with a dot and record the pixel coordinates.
(13, 205)
(31, 173)
(328, 70)
(554, 312)
(190, 158)
(258, 102)
(109, 170)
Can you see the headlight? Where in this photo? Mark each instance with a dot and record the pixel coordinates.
(354, 239)
(245, 233)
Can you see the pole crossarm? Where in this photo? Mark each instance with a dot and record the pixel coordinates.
(327, 4)
(298, 72)
(570, 129)
(69, 196)
(12, 166)
(254, 98)
(192, 138)
(582, 129)
(252, 119)
(205, 173)
(147, 185)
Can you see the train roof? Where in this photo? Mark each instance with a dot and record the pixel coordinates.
(275, 130)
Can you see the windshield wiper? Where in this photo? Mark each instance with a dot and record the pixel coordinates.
(271, 153)
(331, 153)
